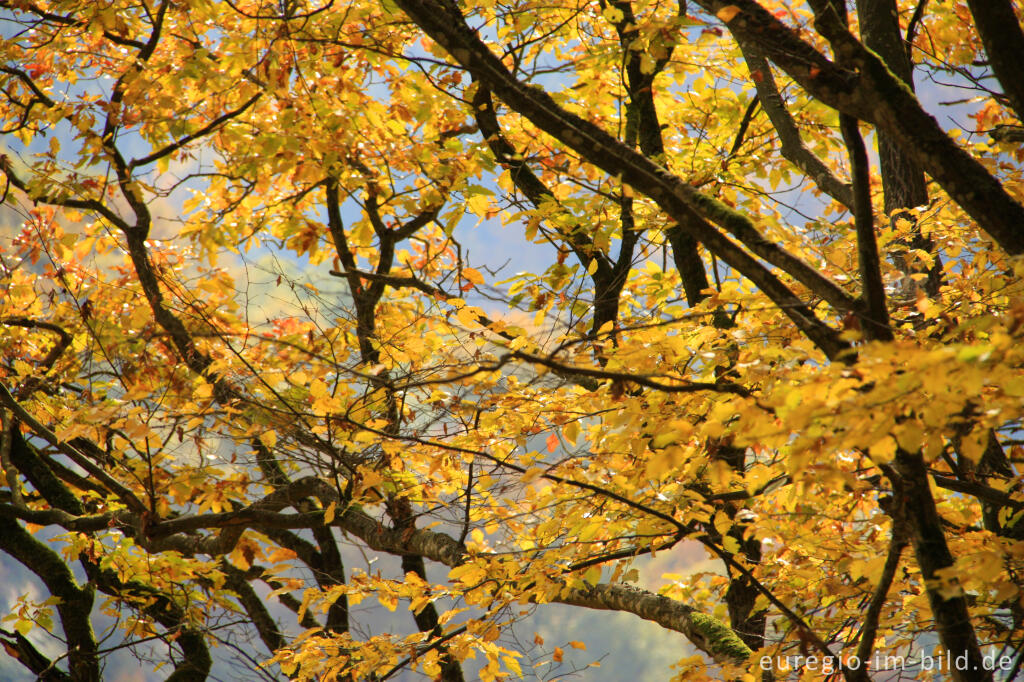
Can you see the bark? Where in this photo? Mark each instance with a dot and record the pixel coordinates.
(254, 606)
(1003, 39)
(740, 598)
(196, 662)
(708, 634)
(874, 315)
(903, 182)
(902, 179)
(427, 620)
(952, 618)
(992, 465)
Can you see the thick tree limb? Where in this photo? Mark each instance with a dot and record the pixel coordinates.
(254, 607)
(949, 609)
(75, 607)
(984, 493)
(708, 634)
(23, 651)
(1003, 39)
(875, 315)
(866, 89)
(903, 182)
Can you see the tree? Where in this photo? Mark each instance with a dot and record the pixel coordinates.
(244, 339)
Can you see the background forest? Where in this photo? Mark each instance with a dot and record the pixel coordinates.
(431, 339)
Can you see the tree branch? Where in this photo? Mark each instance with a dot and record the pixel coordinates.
(191, 137)
(875, 315)
(792, 147)
(75, 606)
(870, 627)
(1003, 39)
(126, 495)
(23, 651)
(680, 200)
(867, 90)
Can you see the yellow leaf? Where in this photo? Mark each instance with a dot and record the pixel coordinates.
(369, 478)
(473, 275)
(727, 13)
(512, 664)
(468, 574)
(1014, 387)
(910, 436)
(479, 204)
(722, 522)
(430, 665)
(647, 63)
(329, 513)
(884, 450)
(531, 474)
(578, 645)
(677, 430)
(973, 445)
(613, 15)
(662, 462)
(318, 389)
(241, 558)
(571, 431)
(280, 554)
(469, 316)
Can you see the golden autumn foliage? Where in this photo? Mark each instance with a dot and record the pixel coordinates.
(533, 298)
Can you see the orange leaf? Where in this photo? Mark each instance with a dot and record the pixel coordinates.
(473, 275)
